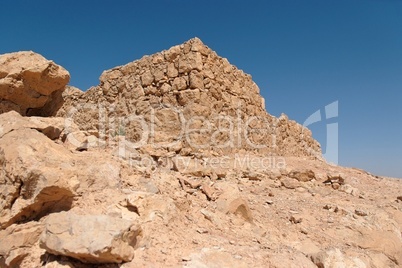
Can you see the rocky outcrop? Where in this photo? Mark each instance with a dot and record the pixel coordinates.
(186, 100)
(39, 176)
(28, 82)
(90, 238)
(16, 242)
(31, 181)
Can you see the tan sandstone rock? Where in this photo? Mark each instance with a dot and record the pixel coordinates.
(28, 80)
(302, 175)
(335, 258)
(39, 176)
(16, 241)
(32, 185)
(90, 238)
(191, 166)
(290, 183)
(231, 201)
(390, 243)
(208, 257)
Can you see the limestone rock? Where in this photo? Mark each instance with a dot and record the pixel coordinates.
(308, 247)
(16, 240)
(231, 201)
(331, 179)
(196, 80)
(53, 128)
(347, 188)
(302, 175)
(39, 176)
(290, 260)
(209, 257)
(32, 185)
(90, 238)
(28, 80)
(290, 183)
(179, 83)
(152, 207)
(147, 78)
(381, 241)
(191, 166)
(190, 61)
(335, 258)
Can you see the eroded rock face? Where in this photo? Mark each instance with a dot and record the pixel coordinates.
(28, 81)
(17, 240)
(90, 238)
(32, 183)
(187, 99)
(39, 176)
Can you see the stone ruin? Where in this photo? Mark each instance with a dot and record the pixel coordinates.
(185, 100)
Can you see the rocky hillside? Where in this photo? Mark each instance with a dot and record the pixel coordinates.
(172, 161)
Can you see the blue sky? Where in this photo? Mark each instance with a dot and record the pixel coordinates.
(302, 54)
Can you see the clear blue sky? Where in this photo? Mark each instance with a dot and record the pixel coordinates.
(302, 54)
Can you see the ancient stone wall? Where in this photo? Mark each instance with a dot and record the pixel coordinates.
(186, 99)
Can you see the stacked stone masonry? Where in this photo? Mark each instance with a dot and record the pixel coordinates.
(186, 99)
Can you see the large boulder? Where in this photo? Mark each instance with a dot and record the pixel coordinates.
(387, 242)
(90, 238)
(28, 82)
(335, 258)
(38, 176)
(16, 242)
(231, 201)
